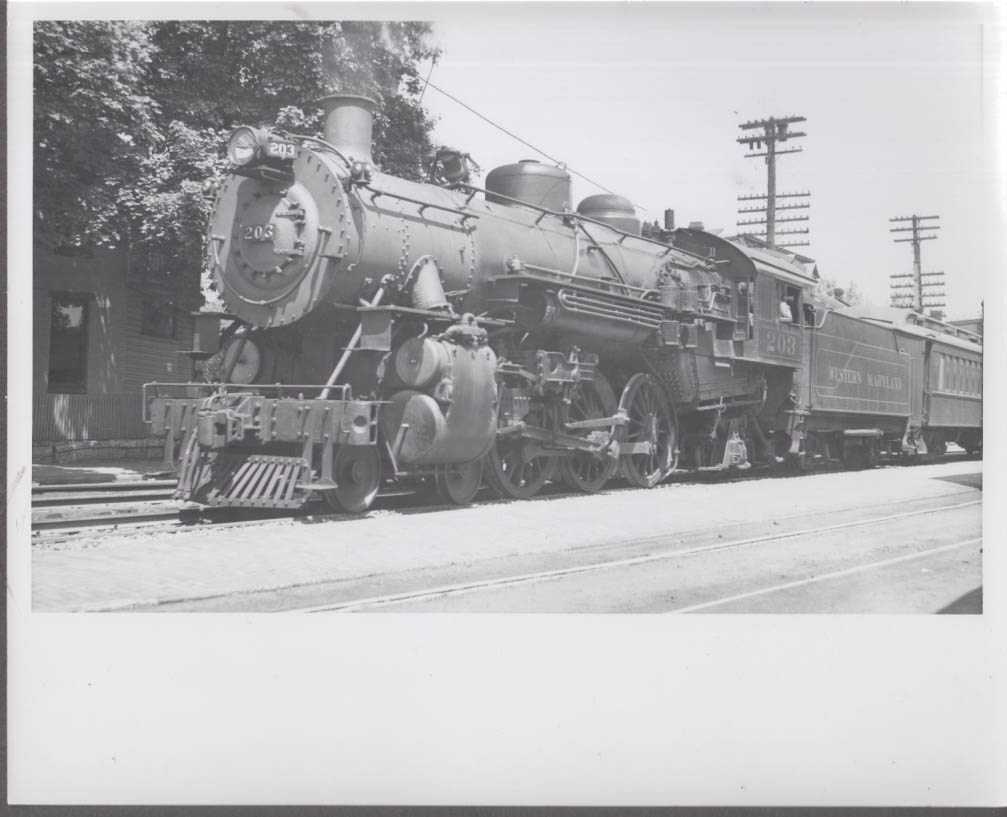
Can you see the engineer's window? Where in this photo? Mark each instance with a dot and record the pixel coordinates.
(789, 306)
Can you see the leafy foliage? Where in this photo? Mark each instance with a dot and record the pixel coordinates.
(850, 294)
(94, 122)
(132, 117)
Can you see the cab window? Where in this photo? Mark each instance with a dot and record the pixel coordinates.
(789, 304)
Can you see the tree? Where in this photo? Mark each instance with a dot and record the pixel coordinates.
(125, 142)
(850, 294)
(94, 123)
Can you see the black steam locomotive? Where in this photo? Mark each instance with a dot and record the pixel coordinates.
(447, 335)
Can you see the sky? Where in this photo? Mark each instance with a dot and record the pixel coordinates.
(901, 104)
(901, 115)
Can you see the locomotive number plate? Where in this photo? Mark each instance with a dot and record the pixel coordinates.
(282, 150)
(781, 343)
(777, 342)
(258, 232)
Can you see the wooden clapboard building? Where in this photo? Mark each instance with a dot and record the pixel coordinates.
(103, 324)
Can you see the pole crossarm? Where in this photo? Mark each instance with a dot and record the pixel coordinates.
(775, 153)
(779, 232)
(915, 293)
(773, 120)
(758, 196)
(778, 208)
(778, 221)
(762, 137)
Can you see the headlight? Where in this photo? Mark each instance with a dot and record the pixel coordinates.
(243, 359)
(242, 145)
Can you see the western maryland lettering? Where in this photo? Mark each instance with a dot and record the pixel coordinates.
(884, 381)
(867, 380)
(837, 375)
(857, 377)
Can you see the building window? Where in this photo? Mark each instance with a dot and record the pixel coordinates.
(68, 343)
(158, 319)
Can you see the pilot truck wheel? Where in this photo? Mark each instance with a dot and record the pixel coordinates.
(356, 470)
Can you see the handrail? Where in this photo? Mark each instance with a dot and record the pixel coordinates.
(614, 267)
(593, 283)
(947, 328)
(573, 214)
(421, 204)
(321, 142)
(215, 386)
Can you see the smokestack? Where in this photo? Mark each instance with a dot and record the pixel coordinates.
(348, 125)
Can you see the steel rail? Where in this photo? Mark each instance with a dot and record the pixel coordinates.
(49, 531)
(546, 575)
(178, 515)
(121, 485)
(85, 497)
(821, 577)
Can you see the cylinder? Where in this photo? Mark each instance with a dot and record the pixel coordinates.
(457, 423)
(349, 124)
(421, 362)
(616, 211)
(422, 422)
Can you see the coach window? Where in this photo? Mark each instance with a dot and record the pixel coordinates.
(68, 343)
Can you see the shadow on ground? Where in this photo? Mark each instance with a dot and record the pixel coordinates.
(968, 480)
(970, 603)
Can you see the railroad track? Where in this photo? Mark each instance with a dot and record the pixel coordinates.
(465, 585)
(663, 554)
(66, 511)
(104, 492)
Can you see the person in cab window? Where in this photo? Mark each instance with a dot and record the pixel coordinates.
(785, 313)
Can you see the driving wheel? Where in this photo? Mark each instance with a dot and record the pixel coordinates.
(650, 435)
(585, 471)
(514, 469)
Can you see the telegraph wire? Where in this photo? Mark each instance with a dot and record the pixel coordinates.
(518, 138)
(433, 63)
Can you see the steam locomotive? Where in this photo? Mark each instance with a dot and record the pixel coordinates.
(445, 336)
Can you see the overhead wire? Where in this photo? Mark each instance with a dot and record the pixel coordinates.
(515, 136)
(433, 62)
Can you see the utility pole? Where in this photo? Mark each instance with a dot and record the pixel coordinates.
(773, 130)
(916, 293)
